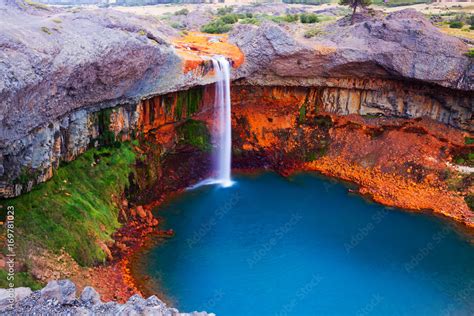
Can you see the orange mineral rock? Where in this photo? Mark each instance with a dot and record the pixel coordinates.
(194, 48)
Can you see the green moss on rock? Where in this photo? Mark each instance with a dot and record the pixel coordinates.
(195, 133)
(194, 97)
(302, 114)
(75, 210)
(26, 175)
(470, 201)
(106, 137)
(188, 101)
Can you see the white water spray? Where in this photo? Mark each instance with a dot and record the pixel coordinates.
(223, 137)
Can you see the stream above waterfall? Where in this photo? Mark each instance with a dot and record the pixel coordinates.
(305, 246)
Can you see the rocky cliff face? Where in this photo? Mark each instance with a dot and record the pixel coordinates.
(401, 46)
(382, 97)
(398, 162)
(35, 157)
(394, 66)
(75, 79)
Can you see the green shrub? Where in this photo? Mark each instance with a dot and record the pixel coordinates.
(470, 201)
(469, 140)
(224, 10)
(250, 21)
(229, 18)
(470, 53)
(309, 18)
(182, 12)
(216, 27)
(249, 15)
(456, 24)
(177, 25)
(470, 20)
(276, 19)
(302, 114)
(312, 33)
(291, 18)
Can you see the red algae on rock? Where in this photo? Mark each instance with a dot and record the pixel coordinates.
(393, 190)
(397, 161)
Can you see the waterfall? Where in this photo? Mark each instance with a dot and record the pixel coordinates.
(222, 137)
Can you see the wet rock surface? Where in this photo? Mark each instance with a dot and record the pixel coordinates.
(59, 298)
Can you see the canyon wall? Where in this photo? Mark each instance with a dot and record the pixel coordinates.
(62, 141)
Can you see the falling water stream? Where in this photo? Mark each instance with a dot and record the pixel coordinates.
(222, 104)
(222, 137)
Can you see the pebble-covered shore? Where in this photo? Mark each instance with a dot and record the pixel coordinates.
(59, 298)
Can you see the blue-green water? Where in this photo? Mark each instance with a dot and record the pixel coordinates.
(305, 246)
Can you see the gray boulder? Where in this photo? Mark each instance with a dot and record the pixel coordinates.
(402, 45)
(63, 291)
(154, 301)
(89, 296)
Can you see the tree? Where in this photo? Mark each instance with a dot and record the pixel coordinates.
(354, 4)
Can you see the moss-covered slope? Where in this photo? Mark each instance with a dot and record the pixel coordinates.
(77, 209)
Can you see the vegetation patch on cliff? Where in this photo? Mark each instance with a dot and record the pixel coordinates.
(77, 209)
(185, 102)
(470, 201)
(195, 133)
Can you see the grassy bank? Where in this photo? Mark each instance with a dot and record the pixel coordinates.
(22, 279)
(76, 209)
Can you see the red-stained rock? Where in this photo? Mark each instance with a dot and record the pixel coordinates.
(141, 211)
